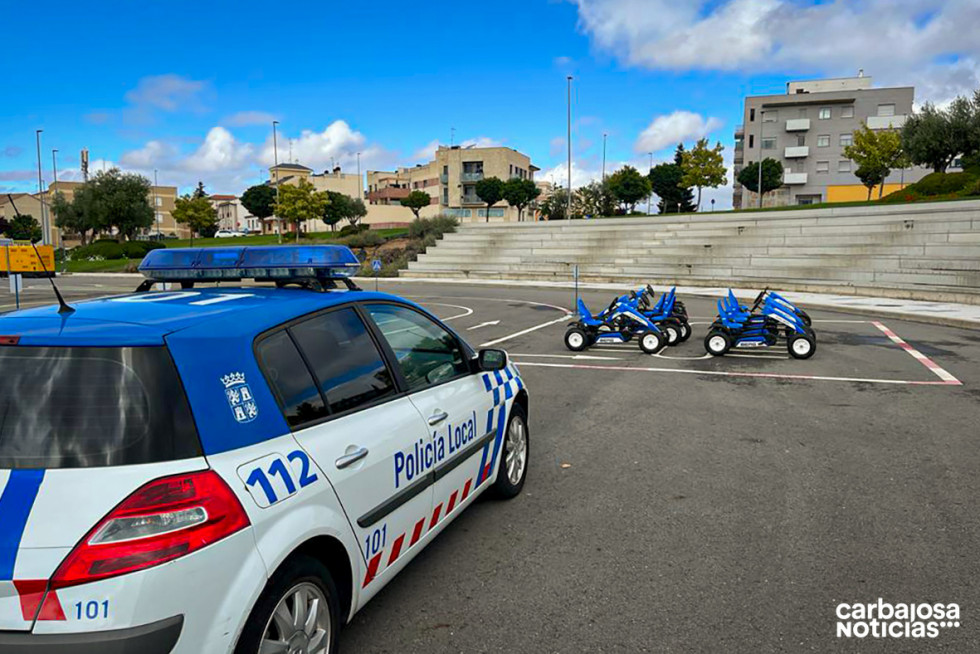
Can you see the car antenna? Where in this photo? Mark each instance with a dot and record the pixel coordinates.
(63, 307)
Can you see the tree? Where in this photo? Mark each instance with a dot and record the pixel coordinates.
(416, 201)
(772, 176)
(4, 225)
(121, 202)
(354, 210)
(197, 213)
(491, 191)
(703, 167)
(928, 138)
(595, 199)
(23, 227)
(875, 152)
(628, 186)
(555, 206)
(80, 215)
(871, 174)
(519, 193)
(335, 209)
(259, 200)
(199, 192)
(667, 182)
(300, 202)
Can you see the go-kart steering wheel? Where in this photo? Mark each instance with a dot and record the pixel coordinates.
(759, 297)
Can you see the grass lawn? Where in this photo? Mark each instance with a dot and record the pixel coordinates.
(109, 265)
(272, 239)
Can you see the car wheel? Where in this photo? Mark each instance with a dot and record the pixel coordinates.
(512, 470)
(297, 612)
(717, 343)
(801, 346)
(576, 339)
(652, 342)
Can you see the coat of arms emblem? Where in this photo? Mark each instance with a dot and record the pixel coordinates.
(240, 397)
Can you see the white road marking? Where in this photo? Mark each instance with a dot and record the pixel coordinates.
(568, 356)
(936, 369)
(466, 310)
(483, 324)
(564, 318)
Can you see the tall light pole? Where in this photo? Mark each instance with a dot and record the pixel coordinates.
(359, 184)
(45, 238)
(54, 169)
(156, 202)
(762, 131)
(650, 197)
(604, 156)
(452, 136)
(568, 212)
(275, 159)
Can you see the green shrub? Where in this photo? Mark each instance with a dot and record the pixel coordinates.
(102, 249)
(138, 249)
(436, 227)
(365, 239)
(348, 230)
(975, 189)
(942, 183)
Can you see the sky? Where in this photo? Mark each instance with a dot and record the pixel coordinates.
(191, 89)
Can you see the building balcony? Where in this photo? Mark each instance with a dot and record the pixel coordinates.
(444, 178)
(470, 200)
(796, 151)
(739, 130)
(794, 178)
(388, 193)
(886, 122)
(471, 177)
(797, 124)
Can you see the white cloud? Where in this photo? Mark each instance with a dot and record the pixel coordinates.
(563, 61)
(427, 152)
(246, 118)
(481, 142)
(901, 42)
(671, 129)
(166, 92)
(337, 143)
(154, 153)
(220, 151)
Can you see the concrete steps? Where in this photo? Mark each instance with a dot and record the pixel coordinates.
(931, 251)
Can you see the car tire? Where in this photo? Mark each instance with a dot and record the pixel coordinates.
(517, 444)
(298, 578)
(576, 339)
(652, 342)
(717, 343)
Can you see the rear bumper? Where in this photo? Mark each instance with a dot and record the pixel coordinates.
(155, 638)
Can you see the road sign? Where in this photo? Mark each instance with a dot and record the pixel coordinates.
(16, 283)
(376, 265)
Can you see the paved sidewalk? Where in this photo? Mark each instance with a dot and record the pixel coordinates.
(943, 313)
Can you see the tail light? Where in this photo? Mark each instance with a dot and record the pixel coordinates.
(165, 519)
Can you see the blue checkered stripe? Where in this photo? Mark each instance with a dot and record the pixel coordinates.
(503, 385)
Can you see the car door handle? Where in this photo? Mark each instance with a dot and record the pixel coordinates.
(437, 417)
(352, 458)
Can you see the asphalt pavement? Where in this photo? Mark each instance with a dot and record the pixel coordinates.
(677, 503)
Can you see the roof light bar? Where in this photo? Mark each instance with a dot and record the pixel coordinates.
(283, 262)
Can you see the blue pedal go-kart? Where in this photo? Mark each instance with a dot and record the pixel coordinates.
(619, 323)
(668, 313)
(770, 320)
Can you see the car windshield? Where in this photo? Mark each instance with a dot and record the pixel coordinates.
(79, 407)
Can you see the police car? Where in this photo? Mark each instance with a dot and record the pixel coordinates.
(215, 468)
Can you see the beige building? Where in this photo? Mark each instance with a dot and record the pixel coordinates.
(233, 215)
(451, 181)
(335, 181)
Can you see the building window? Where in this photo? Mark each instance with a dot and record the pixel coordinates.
(844, 166)
(751, 115)
(801, 139)
(158, 201)
(824, 113)
(751, 140)
(823, 166)
(886, 109)
(472, 166)
(823, 140)
(768, 143)
(846, 139)
(445, 170)
(847, 112)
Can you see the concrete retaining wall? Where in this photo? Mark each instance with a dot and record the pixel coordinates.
(924, 251)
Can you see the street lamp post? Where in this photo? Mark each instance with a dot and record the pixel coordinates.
(45, 239)
(650, 197)
(156, 203)
(360, 189)
(54, 171)
(762, 132)
(275, 159)
(568, 212)
(604, 156)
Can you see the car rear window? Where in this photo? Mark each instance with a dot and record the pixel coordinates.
(82, 407)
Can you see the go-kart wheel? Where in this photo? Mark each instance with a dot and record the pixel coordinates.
(673, 333)
(686, 331)
(576, 339)
(717, 343)
(801, 346)
(652, 342)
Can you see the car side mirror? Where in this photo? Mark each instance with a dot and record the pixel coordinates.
(490, 360)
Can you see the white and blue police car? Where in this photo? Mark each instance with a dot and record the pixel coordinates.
(234, 468)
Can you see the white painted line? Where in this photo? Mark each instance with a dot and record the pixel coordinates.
(761, 375)
(466, 310)
(483, 324)
(664, 356)
(564, 318)
(938, 370)
(567, 356)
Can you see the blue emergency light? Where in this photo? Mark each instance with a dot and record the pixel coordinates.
(271, 263)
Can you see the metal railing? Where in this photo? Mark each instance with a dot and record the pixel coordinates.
(471, 177)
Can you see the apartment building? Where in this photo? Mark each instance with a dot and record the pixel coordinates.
(161, 198)
(329, 180)
(233, 215)
(807, 129)
(451, 177)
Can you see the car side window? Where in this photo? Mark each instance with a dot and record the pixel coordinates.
(344, 359)
(290, 379)
(427, 354)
